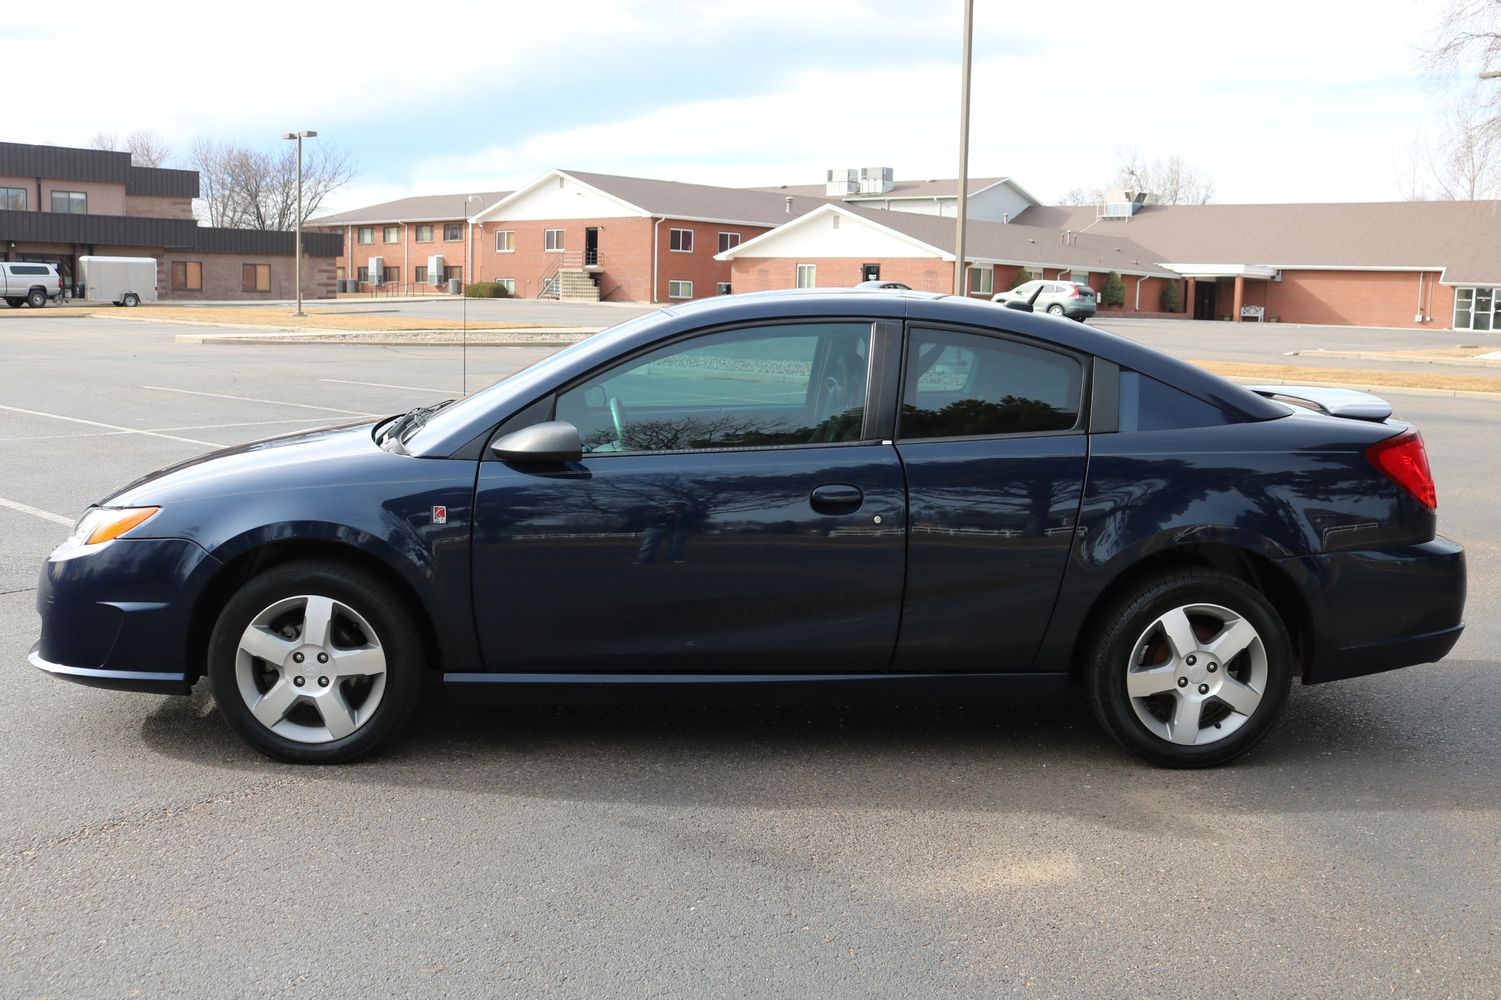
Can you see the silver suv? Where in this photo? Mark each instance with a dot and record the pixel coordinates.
(32, 283)
(1073, 299)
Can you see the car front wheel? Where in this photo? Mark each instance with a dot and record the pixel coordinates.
(1189, 668)
(315, 663)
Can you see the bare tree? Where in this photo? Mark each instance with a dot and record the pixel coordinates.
(146, 148)
(1171, 180)
(244, 188)
(1468, 38)
(1463, 165)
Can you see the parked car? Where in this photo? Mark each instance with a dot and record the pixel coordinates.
(796, 495)
(30, 282)
(1073, 299)
(876, 283)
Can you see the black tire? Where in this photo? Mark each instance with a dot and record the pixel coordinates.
(1119, 638)
(13, 301)
(397, 633)
(131, 299)
(1055, 310)
(36, 298)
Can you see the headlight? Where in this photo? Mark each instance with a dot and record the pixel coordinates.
(103, 524)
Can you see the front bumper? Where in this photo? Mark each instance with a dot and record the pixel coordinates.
(114, 680)
(119, 617)
(1382, 609)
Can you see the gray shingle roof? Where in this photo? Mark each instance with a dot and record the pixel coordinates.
(1021, 244)
(1462, 236)
(423, 208)
(702, 201)
(940, 188)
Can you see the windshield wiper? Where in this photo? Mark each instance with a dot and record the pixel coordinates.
(405, 425)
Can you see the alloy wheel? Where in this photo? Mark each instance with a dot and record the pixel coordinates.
(1197, 674)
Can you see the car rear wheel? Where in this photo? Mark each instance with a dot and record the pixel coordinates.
(1189, 668)
(316, 662)
(36, 298)
(1055, 310)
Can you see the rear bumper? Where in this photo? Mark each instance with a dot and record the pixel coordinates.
(1382, 609)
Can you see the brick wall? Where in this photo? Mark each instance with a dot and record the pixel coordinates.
(223, 277)
(757, 274)
(1357, 298)
(624, 254)
(699, 267)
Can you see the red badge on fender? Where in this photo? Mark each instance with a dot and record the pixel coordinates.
(440, 515)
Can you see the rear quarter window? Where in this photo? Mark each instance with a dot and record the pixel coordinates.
(1150, 405)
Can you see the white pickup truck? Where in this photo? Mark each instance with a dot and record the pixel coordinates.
(32, 283)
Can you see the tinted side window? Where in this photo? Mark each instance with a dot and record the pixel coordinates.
(966, 385)
(29, 269)
(783, 385)
(1150, 405)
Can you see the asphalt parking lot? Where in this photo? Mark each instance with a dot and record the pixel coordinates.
(673, 852)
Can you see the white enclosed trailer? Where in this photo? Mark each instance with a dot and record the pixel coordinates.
(125, 281)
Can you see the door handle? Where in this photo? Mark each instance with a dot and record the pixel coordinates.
(836, 498)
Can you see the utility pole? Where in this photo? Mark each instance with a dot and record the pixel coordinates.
(959, 272)
(299, 136)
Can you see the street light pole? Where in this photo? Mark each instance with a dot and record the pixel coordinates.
(463, 293)
(969, 16)
(299, 136)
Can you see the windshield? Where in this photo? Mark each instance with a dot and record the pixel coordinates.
(496, 402)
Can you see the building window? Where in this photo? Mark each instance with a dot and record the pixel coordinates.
(391, 234)
(681, 241)
(419, 274)
(680, 289)
(257, 277)
(71, 202)
(509, 284)
(728, 241)
(187, 276)
(806, 275)
(390, 276)
(552, 239)
(722, 288)
(13, 199)
(453, 232)
(981, 280)
(362, 274)
(505, 241)
(424, 233)
(366, 234)
(1477, 308)
(451, 273)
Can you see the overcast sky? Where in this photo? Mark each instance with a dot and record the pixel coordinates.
(1283, 100)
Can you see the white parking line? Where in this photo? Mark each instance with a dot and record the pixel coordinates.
(111, 427)
(254, 399)
(45, 515)
(243, 423)
(387, 385)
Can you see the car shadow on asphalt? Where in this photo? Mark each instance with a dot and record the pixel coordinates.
(1346, 747)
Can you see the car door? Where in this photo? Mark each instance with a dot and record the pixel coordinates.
(734, 512)
(991, 434)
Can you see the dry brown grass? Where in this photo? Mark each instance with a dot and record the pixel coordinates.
(230, 316)
(1356, 377)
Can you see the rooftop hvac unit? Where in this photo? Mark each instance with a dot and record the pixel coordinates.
(842, 182)
(377, 270)
(876, 180)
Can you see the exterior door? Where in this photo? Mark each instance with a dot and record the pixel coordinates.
(591, 246)
(731, 514)
(990, 433)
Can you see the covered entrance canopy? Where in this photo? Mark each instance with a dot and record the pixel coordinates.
(1204, 297)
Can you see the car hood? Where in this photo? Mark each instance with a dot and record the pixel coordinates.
(302, 458)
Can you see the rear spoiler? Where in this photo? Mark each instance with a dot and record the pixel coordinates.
(1335, 402)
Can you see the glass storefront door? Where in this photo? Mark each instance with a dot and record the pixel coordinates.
(1477, 309)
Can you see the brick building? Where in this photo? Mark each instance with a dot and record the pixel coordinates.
(59, 203)
(411, 246)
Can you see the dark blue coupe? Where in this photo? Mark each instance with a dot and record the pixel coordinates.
(829, 495)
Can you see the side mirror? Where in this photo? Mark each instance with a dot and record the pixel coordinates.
(555, 441)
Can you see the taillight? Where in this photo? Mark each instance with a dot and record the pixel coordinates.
(1073, 291)
(1404, 459)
